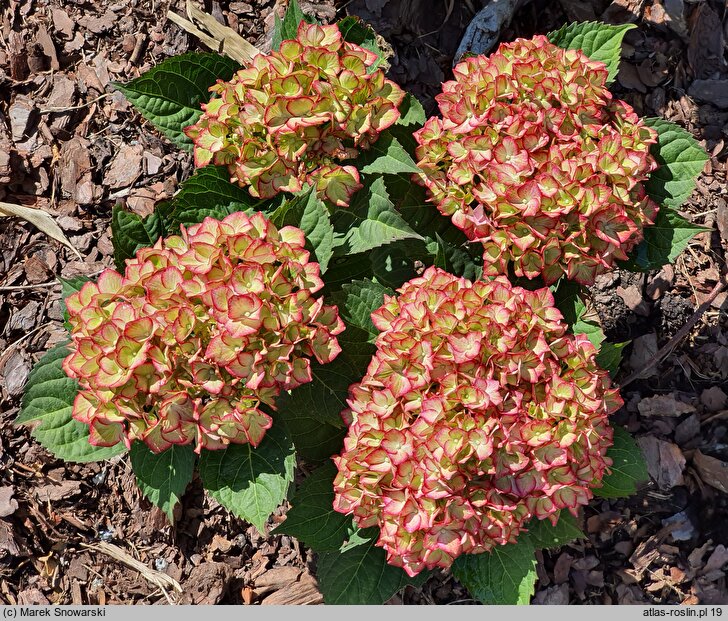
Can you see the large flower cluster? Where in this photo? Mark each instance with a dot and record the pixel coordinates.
(294, 114)
(534, 159)
(478, 412)
(200, 331)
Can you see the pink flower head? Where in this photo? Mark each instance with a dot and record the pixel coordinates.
(535, 159)
(200, 330)
(477, 413)
(293, 115)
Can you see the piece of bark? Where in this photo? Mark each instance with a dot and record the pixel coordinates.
(8, 505)
(710, 91)
(664, 405)
(303, 592)
(714, 399)
(660, 282)
(125, 167)
(63, 24)
(705, 48)
(75, 171)
(643, 349)
(22, 114)
(58, 491)
(14, 371)
(44, 41)
(712, 471)
(665, 461)
(206, 584)
(632, 297)
(18, 56)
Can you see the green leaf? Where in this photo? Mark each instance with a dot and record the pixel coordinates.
(629, 467)
(316, 224)
(395, 264)
(163, 477)
(663, 241)
(379, 222)
(70, 286)
(602, 42)
(357, 300)
(359, 537)
(681, 160)
(169, 95)
(354, 30)
(544, 535)
(412, 112)
(307, 212)
(48, 401)
(209, 193)
(287, 28)
(314, 441)
(251, 482)
(130, 232)
(585, 324)
(505, 575)
(443, 241)
(311, 518)
(343, 269)
(610, 356)
(324, 397)
(361, 575)
(386, 157)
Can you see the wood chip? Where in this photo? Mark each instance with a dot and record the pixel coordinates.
(21, 113)
(716, 560)
(75, 171)
(645, 554)
(44, 41)
(63, 24)
(714, 399)
(8, 505)
(632, 297)
(206, 584)
(57, 491)
(623, 11)
(712, 471)
(643, 349)
(660, 282)
(664, 405)
(665, 461)
(562, 568)
(710, 91)
(14, 371)
(125, 167)
(705, 48)
(303, 592)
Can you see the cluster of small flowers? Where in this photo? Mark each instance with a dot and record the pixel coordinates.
(478, 412)
(534, 159)
(200, 331)
(292, 115)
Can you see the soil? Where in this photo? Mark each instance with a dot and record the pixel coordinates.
(71, 145)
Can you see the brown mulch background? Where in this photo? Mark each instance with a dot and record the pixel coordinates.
(72, 145)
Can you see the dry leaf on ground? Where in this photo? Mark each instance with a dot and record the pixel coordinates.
(40, 219)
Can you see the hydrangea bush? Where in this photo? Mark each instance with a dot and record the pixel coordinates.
(477, 413)
(335, 286)
(535, 159)
(294, 114)
(200, 330)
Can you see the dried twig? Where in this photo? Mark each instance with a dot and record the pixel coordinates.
(218, 37)
(157, 578)
(679, 335)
